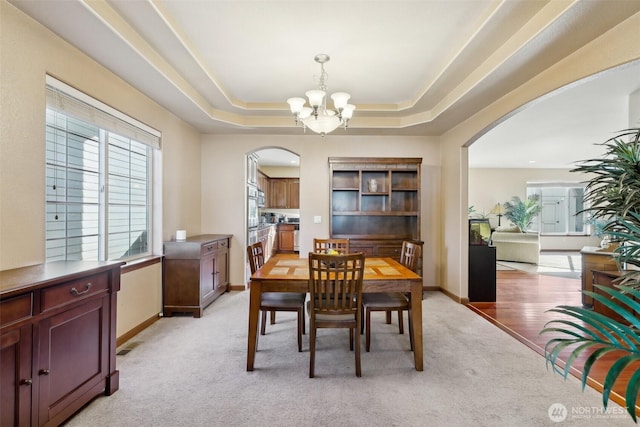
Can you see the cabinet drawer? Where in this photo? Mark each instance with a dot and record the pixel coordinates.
(389, 251)
(16, 309)
(208, 248)
(223, 244)
(73, 291)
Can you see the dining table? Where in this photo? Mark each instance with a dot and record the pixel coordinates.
(290, 273)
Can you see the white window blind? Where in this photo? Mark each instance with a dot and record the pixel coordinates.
(66, 99)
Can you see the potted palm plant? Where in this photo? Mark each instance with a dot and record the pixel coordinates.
(522, 212)
(613, 194)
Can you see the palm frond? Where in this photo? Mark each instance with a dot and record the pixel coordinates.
(584, 332)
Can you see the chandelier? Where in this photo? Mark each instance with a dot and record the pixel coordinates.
(317, 117)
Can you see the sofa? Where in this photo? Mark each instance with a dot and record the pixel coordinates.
(513, 245)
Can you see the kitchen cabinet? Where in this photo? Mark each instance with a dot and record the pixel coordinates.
(293, 196)
(195, 273)
(58, 339)
(375, 202)
(286, 237)
(284, 193)
(263, 183)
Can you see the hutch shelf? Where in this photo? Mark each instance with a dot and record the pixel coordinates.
(375, 202)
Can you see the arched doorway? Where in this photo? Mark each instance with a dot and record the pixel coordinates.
(273, 177)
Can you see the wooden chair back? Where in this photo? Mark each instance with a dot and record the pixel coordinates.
(410, 255)
(323, 245)
(255, 253)
(335, 284)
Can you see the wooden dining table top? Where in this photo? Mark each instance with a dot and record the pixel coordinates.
(292, 267)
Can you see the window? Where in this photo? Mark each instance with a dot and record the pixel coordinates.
(561, 205)
(98, 180)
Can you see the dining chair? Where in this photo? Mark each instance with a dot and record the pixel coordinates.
(393, 301)
(335, 289)
(324, 245)
(276, 301)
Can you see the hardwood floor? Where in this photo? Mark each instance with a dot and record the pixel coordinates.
(521, 310)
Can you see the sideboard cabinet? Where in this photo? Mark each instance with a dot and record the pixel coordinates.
(594, 259)
(58, 339)
(375, 202)
(195, 273)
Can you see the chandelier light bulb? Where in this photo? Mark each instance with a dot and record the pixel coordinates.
(340, 99)
(347, 111)
(296, 104)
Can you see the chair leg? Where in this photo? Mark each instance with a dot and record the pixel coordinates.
(263, 324)
(273, 317)
(312, 349)
(300, 328)
(410, 329)
(388, 315)
(303, 315)
(400, 322)
(351, 339)
(358, 367)
(368, 328)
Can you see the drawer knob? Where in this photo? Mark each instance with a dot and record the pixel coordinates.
(76, 292)
(44, 372)
(28, 381)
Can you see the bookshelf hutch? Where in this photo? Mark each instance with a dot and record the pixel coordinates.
(375, 202)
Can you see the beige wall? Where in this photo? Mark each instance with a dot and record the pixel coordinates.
(223, 206)
(28, 51)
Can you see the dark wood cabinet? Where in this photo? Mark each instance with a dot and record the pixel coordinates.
(609, 279)
(594, 258)
(195, 273)
(375, 202)
(58, 339)
(482, 273)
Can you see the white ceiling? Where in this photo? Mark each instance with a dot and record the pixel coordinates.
(413, 67)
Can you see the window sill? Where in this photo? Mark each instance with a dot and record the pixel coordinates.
(139, 263)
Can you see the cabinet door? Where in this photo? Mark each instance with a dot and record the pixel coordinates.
(294, 194)
(278, 193)
(16, 384)
(72, 364)
(222, 266)
(286, 240)
(207, 275)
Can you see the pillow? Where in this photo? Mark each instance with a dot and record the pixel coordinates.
(509, 229)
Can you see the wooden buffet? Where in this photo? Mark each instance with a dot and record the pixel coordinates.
(58, 336)
(195, 273)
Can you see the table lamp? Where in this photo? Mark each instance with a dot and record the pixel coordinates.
(498, 210)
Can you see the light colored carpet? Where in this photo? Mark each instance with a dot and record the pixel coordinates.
(192, 372)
